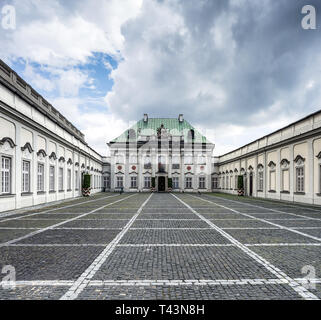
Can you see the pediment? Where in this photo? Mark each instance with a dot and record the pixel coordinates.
(42, 153)
(28, 147)
(9, 141)
(53, 156)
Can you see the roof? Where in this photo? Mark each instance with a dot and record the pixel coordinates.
(172, 125)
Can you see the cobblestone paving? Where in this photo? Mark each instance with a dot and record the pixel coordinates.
(163, 246)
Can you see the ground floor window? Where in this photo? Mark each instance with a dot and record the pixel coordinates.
(69, 179)
(5, 175)
(272, 180)
(231, 182)
(285, 180)
(300, 179)
(61, 179)
(76, 180)
(52, 178)
(226, 182)
(201, 184)
(175, 182)
(236, 182)
(214, 183)
(119, 182)
(133, 182)
(188, 182)
(25, 176)
(260, 182)
(41, 177)
(147, 182)
(106, 182)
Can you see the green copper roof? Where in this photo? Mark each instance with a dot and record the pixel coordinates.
(172, 125)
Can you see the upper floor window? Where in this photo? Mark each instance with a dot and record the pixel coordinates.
(5, 175)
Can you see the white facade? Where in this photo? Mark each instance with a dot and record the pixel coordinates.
(42, 155)
(285, 165)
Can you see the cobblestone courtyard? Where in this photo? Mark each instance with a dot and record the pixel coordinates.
(163, 246)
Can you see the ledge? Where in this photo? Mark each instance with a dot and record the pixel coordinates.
(26, 194)
(41, 192)
(299, 193)
(272, 191)
(69, 190)
(285, 192)
(52, 191)
(7, 195)
(259, 190)
(61, 191)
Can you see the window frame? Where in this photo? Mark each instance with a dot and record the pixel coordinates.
(26, 179)
(9, 171)
(41, 177)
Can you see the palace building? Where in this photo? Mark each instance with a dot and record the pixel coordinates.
(43, 156)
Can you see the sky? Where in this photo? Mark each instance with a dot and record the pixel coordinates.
(236, 69)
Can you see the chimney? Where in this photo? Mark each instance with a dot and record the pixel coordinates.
(145, 117)
(181, 118)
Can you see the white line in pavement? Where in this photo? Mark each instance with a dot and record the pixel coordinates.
(263, 220)
(274, 210)
(143, 282)
(282, 244)
(59, 224)
(301, 290)
(55, 209)
(175, 245)
(82, 282)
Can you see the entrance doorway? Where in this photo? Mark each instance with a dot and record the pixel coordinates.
(251, 185)
(161, 184)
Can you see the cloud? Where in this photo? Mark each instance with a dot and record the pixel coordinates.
(237, 69)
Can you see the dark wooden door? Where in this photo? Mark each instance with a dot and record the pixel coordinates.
(161, 184)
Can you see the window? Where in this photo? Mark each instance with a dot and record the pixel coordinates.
(214, 183)
(61, 179)
(260, 182)
(223, 182)
(133, 182)
(226, 182)
(147, 163)
(41, 177)
(119, 182)
(175, 183)
(52, 178)
(231, 182)
(285, 180)
(188, 183)
(201, 182)
(188, 159)
(69, 179)
(106, 182)
(5, 175)
(300, 179)
(76, 180)
(25, 176)
(236, 182)
(147, 182)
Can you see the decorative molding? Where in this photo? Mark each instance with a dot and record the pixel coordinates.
(27, 146)
(92, 168)
(62, 159)
(285, 162)
(260, 166)
(231, 171)
(77, 164)
(53, 156)
(299, 158)
(83, 166)
(271, 164)
(319, 155)
(133, 172)
(250, 168)
(235, 170)
(69, 161)
(9, 140)
(42, 152)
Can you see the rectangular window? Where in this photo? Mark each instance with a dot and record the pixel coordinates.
(201, 184)
(133, 182)
(175, 182)
(272, 180)
(52, 178)
(119, 182)
(214, 183)
(285, 180)
(61, 179)
(25, 176)
(41, 178)
(231, 182)
(236, 182)
(147, 182)
(106, 182)
(188, 183)
(300, 179)
(260, 177)
(226, 182)
(5, 175)
(69, 179)
(76, 180)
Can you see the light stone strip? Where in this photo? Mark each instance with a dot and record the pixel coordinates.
(266, 221)
(55, 209)
(82, 282)
(99, 283)
(59, 245)
(301, 290)
(168, 219)
(176, 244)
(59, 224)
(256, 206)
(185, 229)
(12, 228)
(282, 244)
